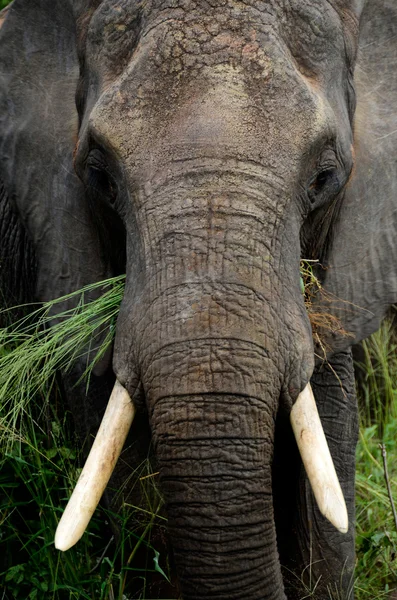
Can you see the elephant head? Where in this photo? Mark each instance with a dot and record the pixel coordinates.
(205, 148)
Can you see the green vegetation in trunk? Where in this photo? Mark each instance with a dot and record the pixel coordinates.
(35, 349)
(321, 322)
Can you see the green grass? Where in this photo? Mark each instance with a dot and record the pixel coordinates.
(40, 462)
(35, 348)
(376, 530)
(36, 479)
(4, 3)
(40, 467)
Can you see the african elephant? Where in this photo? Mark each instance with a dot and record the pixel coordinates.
(204, 147)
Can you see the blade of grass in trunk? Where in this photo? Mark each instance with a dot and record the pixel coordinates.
(34, 348)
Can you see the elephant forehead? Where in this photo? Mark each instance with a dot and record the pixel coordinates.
(150, 120)
(195, 34)
(197, 81)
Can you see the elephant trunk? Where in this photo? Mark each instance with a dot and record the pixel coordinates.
(211, 353)
(214, 453)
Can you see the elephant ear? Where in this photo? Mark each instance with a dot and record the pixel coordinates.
(42, 203)
(361, 266)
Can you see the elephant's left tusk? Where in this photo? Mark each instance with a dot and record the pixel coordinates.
(98, 468)
(317, 460)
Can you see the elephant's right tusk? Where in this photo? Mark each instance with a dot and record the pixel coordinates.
(98, 468)
(317, 460)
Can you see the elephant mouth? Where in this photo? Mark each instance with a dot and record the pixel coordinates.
(119, 415)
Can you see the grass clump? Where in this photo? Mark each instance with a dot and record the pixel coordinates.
(376, 535)
(40, 463)
(378, 375)
(322, 323)
(36, 479)
(35, 348)
(376, 540)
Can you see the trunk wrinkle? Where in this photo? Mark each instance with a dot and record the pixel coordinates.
(214, 460)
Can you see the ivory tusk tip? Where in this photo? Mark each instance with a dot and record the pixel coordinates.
(63, 542)
(69, 531)
(342, 529)
(62, 546)
(334, 509)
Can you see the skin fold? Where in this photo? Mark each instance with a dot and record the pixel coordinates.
(204, 148)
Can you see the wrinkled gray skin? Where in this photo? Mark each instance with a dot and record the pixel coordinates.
(212, 146)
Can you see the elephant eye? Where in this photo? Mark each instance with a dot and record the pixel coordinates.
(98, 179)
(325, 185)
